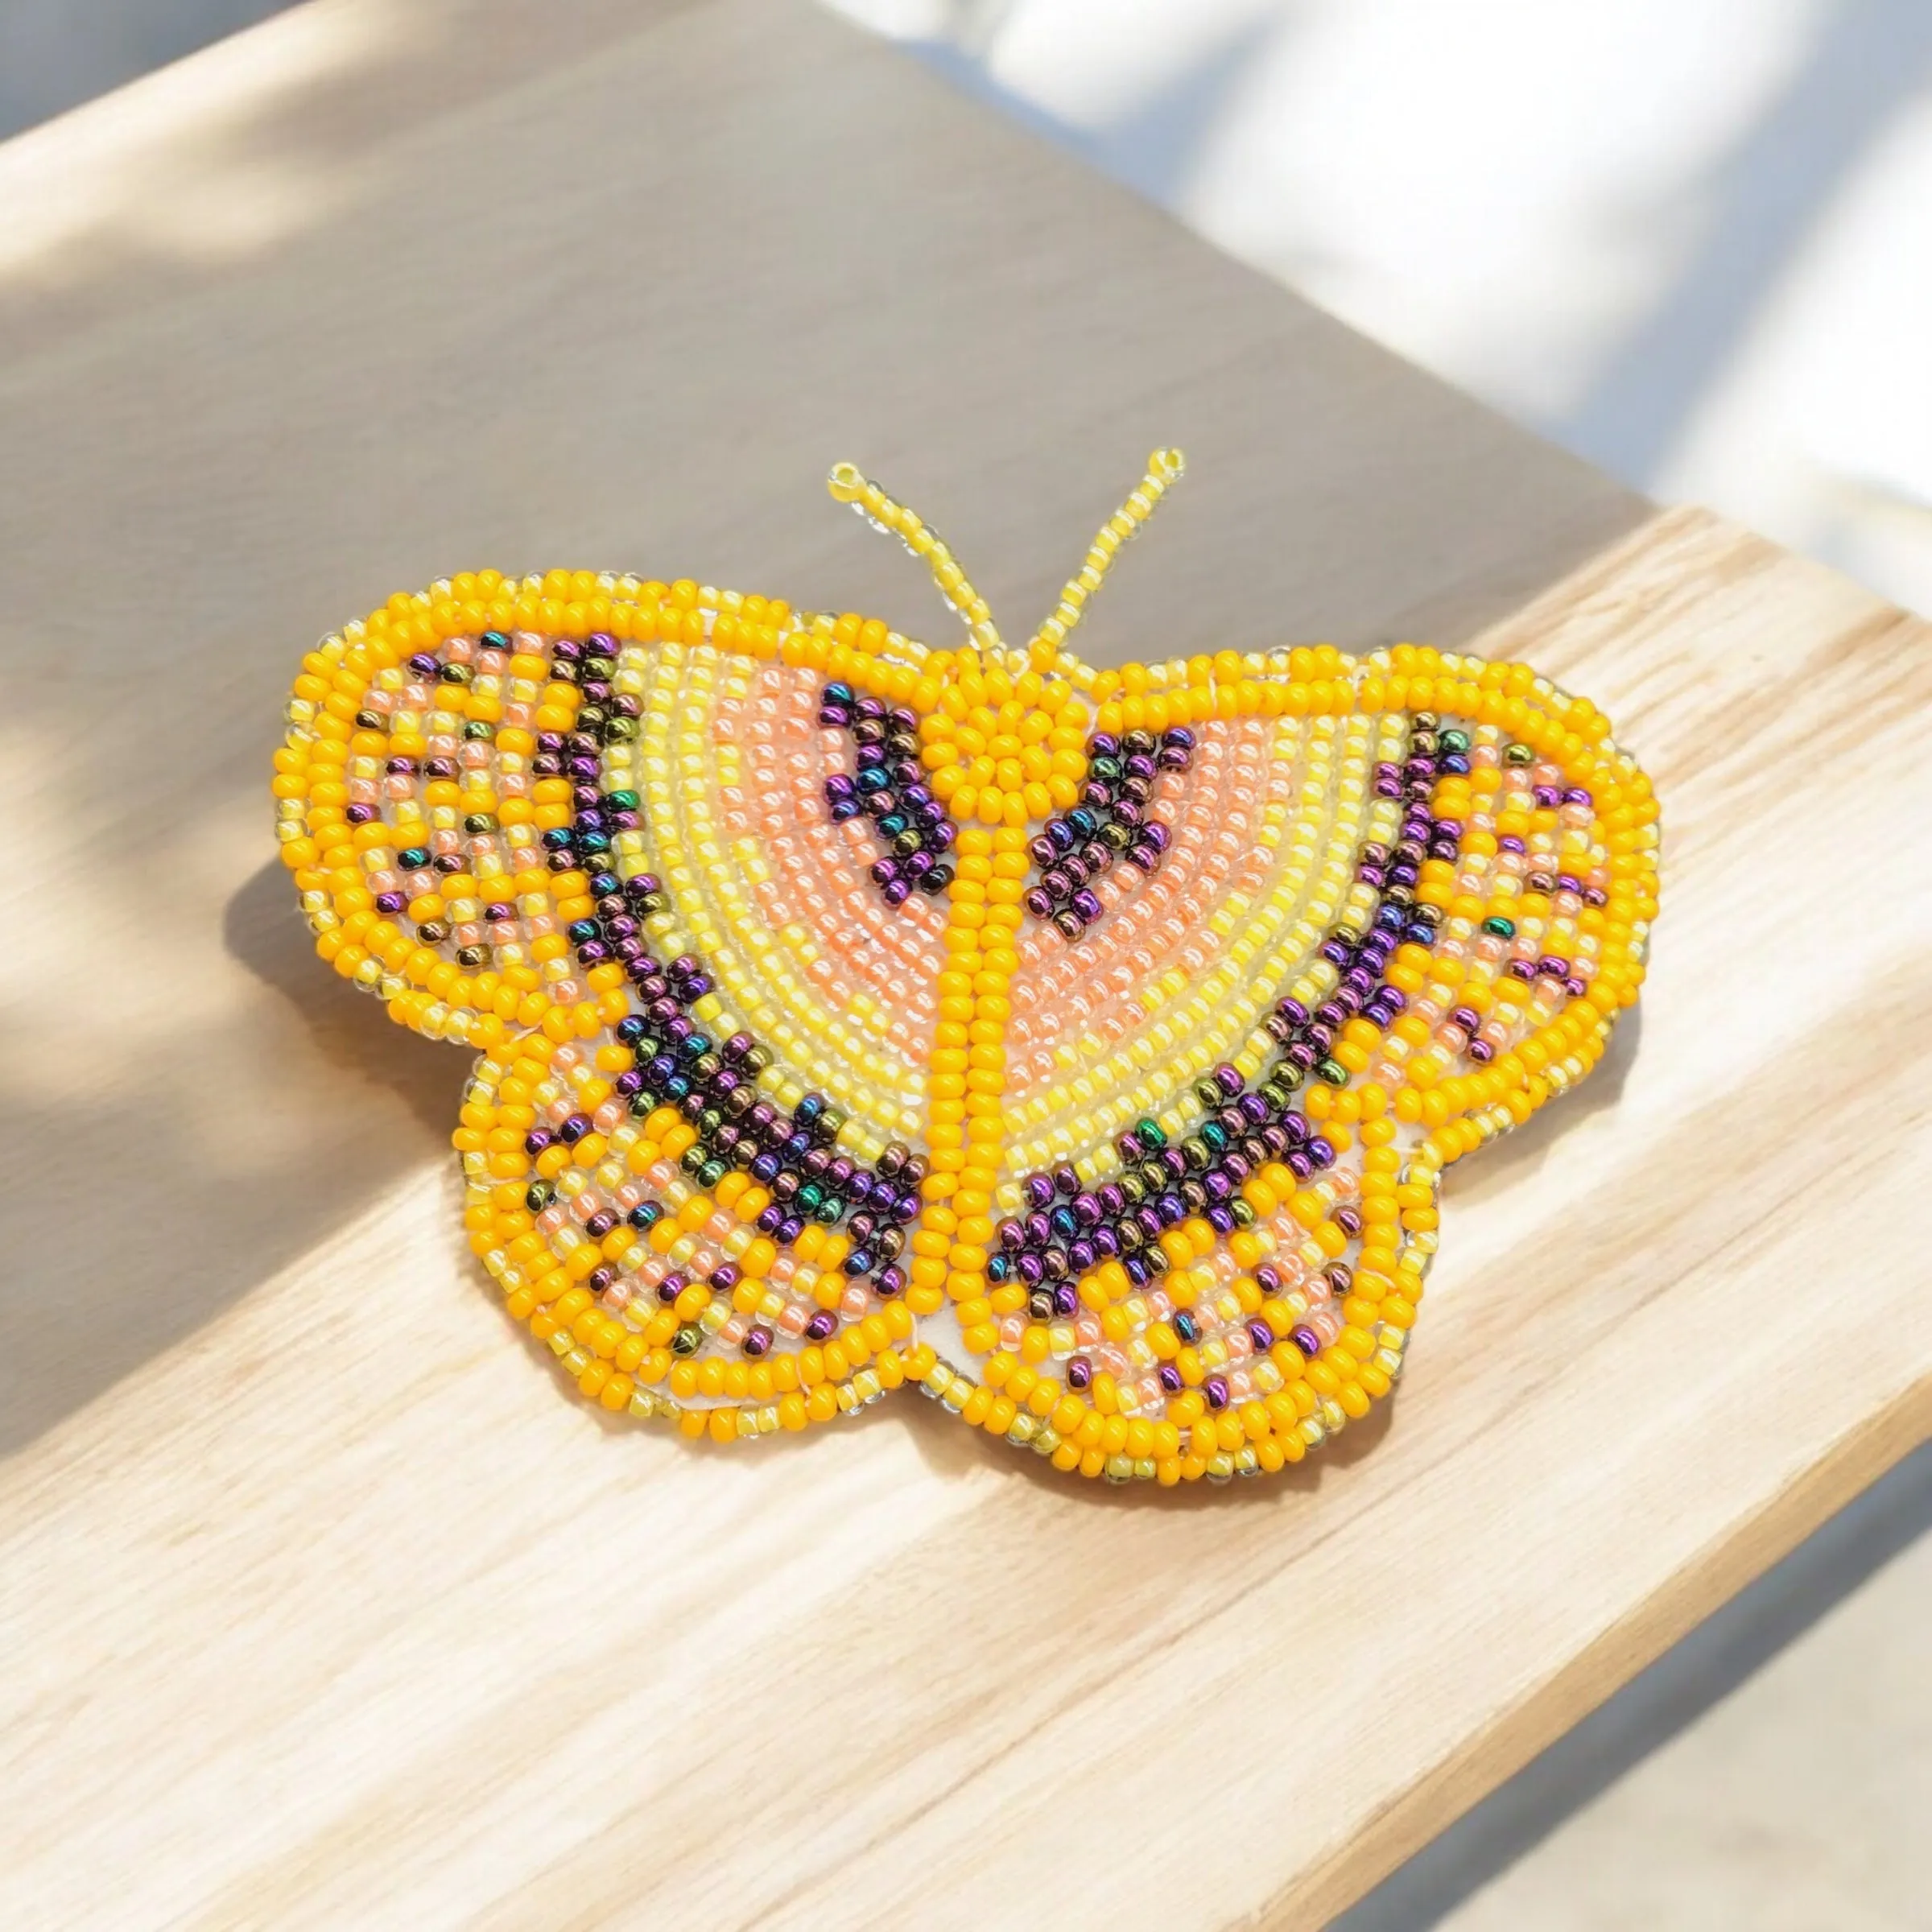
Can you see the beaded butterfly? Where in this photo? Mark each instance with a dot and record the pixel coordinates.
(1083, 1046)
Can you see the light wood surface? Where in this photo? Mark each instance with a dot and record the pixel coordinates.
(305, 1620)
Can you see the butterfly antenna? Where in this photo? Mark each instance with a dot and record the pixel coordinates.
(1165, 467)
(847, 485)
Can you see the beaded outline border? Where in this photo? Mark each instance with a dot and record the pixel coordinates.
(1310, 681)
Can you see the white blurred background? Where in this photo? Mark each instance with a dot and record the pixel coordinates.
(1692, 240)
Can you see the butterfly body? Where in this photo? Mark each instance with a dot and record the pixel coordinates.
(1085, 1047)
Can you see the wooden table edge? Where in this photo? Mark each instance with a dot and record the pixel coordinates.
(1484, 1761)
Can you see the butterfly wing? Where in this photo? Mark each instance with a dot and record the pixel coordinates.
(579, 823)
(1391, 914)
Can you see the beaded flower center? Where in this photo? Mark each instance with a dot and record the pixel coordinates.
(1083, 1046)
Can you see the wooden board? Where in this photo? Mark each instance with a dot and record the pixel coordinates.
(308, 1619)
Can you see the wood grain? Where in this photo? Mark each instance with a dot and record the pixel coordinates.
(319, 1604)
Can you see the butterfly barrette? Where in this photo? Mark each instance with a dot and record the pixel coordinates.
(1084, 1047)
